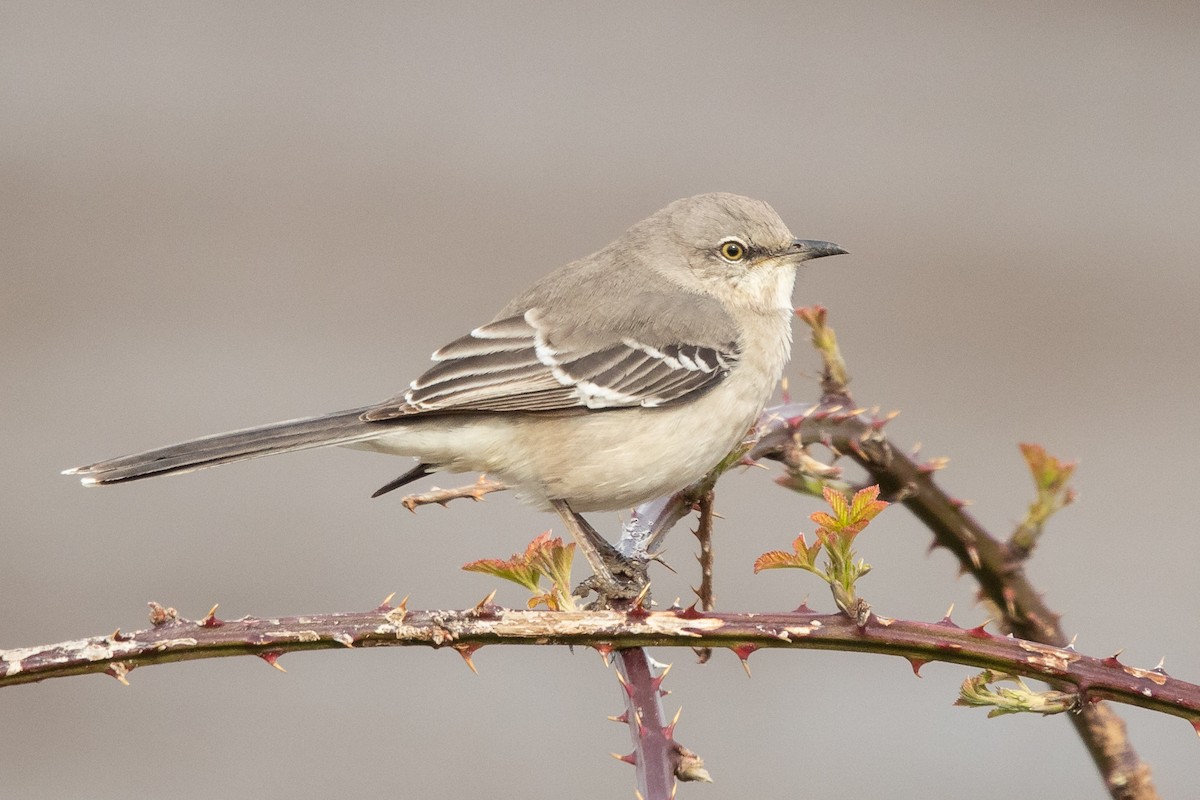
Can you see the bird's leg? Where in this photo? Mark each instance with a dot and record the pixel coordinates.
(615, 577)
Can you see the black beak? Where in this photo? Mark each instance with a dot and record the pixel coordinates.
(808, 249)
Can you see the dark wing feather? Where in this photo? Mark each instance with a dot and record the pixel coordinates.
(510, 365)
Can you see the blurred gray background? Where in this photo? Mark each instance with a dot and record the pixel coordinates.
(222, 214)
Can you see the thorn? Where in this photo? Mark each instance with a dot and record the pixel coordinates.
(1010, 601)
(659, 558)
(879, 422)
(623, 719)
(466, 650)
(743, 652)
(118, 670)
(210, 619)
(1159, 666)
(690, 612)
(344, 639)
(639, 610)
(785, 390)
(1112, 661)
(973, 555)
(1071, 644)
(1196, 726)
(624, 684)
(386, 605)
(946, 619)
(629, 759)
(605, 650)
(803, 607)
(657, 680)
(669, 731)
(917, 663)
(978, 631)
(398, 613)
(485, 602)
(933, 465)
(272, 658)
(117, 636)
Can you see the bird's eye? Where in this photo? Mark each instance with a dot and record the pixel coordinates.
(733, 250)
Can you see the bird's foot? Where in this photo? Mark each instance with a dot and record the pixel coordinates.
(617, 581)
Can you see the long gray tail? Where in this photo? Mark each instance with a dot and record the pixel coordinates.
(340, 427)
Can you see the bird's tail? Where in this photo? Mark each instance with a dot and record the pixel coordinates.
(340, 427)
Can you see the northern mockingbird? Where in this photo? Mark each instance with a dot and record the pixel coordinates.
(621, 377)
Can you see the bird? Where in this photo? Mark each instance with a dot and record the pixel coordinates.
(621, 377)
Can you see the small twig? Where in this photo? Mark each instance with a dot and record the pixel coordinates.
(704, 593)
(475, 491)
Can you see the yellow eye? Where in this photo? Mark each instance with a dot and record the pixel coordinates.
(733, 250)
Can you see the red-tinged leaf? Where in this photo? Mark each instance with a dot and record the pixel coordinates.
(1034, 455)
(554, 561)
(863, 496)
(866, 504)
(778, 559)
(837, 501)
(809, 553)
(1049, 473)
(826, 536)
(854, 528)
(824, 520)
(512, 570)
(540, 544)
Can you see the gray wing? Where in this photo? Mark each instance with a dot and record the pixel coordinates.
(514, 364)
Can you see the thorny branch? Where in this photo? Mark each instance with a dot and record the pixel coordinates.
(657, 756)
(176, 639)
(838, 424)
